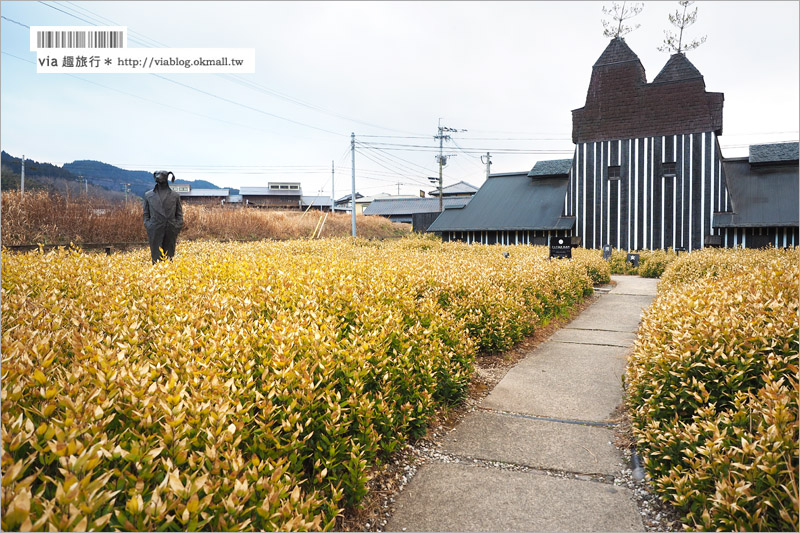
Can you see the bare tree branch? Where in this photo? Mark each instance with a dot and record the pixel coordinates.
(619, 14)
(681, 20)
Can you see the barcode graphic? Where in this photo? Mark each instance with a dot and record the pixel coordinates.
(79, 39)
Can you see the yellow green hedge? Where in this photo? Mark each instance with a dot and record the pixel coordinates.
(243, 386)
(713, 389)
(651, 262)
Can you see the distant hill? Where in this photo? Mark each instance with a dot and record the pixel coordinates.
(35, 169)
(113, 177)
(99, 174)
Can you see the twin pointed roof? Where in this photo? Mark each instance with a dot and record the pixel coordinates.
(678, 68)
(620, 104)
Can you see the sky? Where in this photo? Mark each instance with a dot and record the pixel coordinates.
(509, 73)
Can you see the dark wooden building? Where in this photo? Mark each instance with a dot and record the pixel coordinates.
(647, 168)
(207, 197)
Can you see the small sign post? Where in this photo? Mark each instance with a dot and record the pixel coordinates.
(560, 247)
(633, 259)
(607, 252)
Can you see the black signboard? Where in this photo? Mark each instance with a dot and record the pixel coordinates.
(561, 247)
(607, 252)
(633, 259)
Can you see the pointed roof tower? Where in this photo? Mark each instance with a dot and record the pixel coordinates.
(617, 79)
(678, 68)
(616, 52)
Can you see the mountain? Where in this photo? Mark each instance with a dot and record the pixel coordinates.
(115, 178)
(52, 177)
(35, 169)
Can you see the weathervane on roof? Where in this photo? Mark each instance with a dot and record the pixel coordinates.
(673, 43)
(619, 14)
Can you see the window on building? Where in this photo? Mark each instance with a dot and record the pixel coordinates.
(668, 169)
(614, 172)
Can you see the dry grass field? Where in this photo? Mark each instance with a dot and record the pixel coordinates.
(48, 218)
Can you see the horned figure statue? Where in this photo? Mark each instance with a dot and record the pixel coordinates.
(163, 217)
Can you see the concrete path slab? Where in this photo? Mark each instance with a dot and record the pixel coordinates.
(535, 443)
(559, 380)
(452, 497)
(634, 285)
(594, 336)
(613, 312)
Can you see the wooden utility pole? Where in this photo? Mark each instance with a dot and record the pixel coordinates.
(488, 163)
(353, 165)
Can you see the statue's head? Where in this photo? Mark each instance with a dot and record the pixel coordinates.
(161, 176)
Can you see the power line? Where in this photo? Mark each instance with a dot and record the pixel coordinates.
(403, 164)
(15, 22)
(469, 149)
(67, 13)
(251, 84)
(247, 106)
(149, 100)
(393, 156)
(403, 175)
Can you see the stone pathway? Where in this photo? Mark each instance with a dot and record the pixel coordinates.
(539, 454)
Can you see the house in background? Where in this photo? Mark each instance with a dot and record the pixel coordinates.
(460, 189)
(344, 203)
(209, 197)
(317, 203)
(407, 210)
(277, 195)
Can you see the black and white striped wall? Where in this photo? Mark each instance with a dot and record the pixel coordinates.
(644, 208)
(760, 237)
(507, 237)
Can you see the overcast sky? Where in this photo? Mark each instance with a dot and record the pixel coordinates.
(508, 72)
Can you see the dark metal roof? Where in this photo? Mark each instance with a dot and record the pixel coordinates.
(511, 202)
(761, 195)
(555, 167)
(771, 153)
(409, 206)
(678, 68)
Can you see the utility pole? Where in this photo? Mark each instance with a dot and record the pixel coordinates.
(441, 157)
(85, 184)
(127, 188)
(353, 165)
(488, 163)
(333, 189)
(22, 179)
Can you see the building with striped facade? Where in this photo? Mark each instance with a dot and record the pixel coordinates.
(647, 173)
(647, 168)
